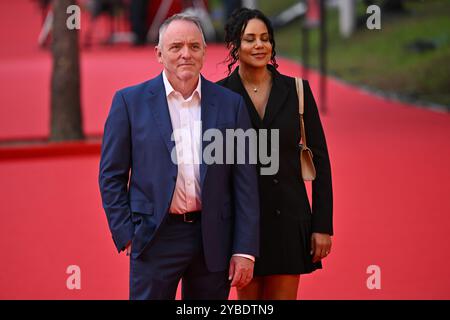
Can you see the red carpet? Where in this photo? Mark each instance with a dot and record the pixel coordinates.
(390, 173)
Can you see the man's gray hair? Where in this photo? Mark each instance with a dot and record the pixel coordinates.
(183, 17)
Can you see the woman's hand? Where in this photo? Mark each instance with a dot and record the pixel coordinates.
(320, 245)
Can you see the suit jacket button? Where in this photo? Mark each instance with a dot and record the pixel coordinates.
(275, 181)
(278, 212)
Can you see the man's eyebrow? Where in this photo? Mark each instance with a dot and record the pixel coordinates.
(182, 42)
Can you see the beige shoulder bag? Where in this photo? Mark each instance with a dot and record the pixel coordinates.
(306, 155)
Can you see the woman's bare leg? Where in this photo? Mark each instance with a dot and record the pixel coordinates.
(281, 287)
(253, 291)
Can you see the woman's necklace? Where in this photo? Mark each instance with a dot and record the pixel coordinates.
(254, 88)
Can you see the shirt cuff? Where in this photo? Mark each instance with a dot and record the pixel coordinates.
(244, 256)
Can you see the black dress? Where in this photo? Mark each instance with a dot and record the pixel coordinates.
(287, 220)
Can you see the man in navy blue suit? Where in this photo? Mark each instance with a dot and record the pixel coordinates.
(188, 220)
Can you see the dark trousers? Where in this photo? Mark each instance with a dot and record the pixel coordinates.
(176, 253)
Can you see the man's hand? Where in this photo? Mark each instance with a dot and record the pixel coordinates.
(128, 248)
(320, 246)
(240, 272)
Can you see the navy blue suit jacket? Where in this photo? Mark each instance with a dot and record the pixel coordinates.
(137, 176)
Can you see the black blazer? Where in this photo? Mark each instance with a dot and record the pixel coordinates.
(284, 194)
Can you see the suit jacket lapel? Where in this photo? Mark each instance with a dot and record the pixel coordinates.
(209, 112)
(160, 110)
(277, 97)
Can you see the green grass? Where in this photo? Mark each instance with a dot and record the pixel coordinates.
(380, 58)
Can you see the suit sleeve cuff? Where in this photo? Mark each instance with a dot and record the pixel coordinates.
(244, 256)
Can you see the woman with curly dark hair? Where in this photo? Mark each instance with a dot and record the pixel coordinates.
(293, 238)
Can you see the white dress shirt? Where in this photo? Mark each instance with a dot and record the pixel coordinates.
(185, 116)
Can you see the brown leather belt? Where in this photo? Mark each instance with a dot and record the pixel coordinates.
(188, 217)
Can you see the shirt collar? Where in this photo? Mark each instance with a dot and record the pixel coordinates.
(170, 89)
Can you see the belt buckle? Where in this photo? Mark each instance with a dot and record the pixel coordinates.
(186, 220)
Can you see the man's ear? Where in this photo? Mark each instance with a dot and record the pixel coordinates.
(158, 54)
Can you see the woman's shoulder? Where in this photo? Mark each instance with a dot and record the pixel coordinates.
(230, 82)
(290, 80)
(223, 82)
